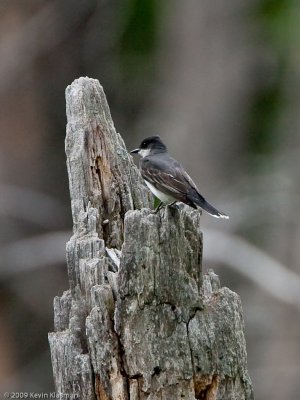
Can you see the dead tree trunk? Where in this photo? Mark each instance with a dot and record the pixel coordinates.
(139, 321)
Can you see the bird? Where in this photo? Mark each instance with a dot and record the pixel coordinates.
(167, 179)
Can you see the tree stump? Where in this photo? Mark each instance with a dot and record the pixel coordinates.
(139, 321)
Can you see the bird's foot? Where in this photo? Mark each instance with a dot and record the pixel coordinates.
(174, 206)
(158, 207)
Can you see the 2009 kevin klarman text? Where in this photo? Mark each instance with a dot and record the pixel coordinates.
(41, 395)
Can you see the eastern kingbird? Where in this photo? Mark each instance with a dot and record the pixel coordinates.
(167, 179)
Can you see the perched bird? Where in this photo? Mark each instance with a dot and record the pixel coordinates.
(167, 179)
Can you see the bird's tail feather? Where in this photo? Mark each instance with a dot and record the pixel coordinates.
(201, 202)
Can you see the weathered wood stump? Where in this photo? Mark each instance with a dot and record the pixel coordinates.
(139, 321)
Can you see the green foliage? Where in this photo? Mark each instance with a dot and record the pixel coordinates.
(278, 22)
(156, 202)
(139, 38)
(264, 112)
(140, 31)
(136, 52)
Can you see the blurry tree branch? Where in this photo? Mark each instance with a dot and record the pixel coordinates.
(47, 249)
(35, 207)
(273, 197)
(279, 281)
(40, 251)
(140, 320)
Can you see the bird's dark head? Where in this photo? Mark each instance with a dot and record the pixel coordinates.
(151, 145)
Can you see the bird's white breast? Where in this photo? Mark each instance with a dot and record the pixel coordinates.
(144, 152)
(161, 196)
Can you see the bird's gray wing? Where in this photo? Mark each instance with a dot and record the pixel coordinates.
(168, 176)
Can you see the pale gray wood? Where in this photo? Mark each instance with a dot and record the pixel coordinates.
(140, 321)
(100, 170)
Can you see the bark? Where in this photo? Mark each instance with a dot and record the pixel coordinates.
(139, 321)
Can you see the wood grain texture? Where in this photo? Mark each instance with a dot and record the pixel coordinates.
(140, 320)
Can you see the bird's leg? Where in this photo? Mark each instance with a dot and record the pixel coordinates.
(173, 205)
(176, 205)
(158, 207)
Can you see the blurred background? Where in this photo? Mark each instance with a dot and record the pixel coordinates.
(219, 81)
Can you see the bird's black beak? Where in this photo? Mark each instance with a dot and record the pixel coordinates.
(134, 151)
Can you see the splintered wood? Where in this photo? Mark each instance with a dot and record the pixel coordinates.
(139, 321)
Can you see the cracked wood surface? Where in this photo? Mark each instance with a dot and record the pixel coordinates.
(139, 321)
